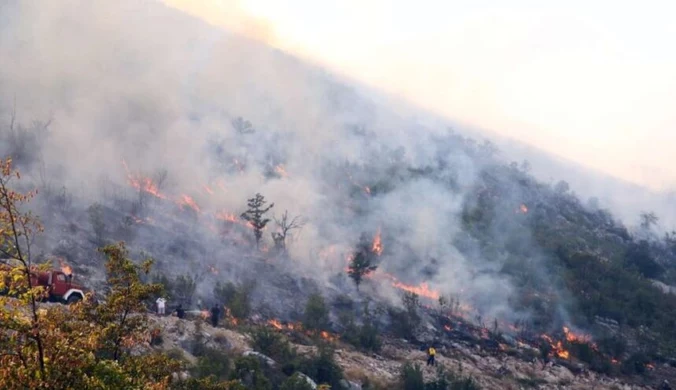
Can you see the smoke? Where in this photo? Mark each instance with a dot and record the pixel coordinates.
(142, 85)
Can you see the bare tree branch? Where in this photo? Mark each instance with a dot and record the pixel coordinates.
(285, 227)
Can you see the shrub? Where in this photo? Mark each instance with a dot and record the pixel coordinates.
(212, 363)
(411, 377)
(296, 382)
(364, 337)
(236, 298)
(272, 344)
(248, 370)
(405, 322)
(316, 316)
(323, 368)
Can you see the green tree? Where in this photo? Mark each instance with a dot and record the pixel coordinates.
(255, 215)
(362, 262)
(122, 316)
(316, 316)
(24, 340)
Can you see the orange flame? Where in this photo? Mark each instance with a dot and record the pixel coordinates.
(279, 169)
(226, 216)
(367, 190)
(208, 190)
(232, 218)
(276, 324)
(560, 352)
(523, 209)
(572, 337)
(143, 183)
(65, 268)
(377, 246)
(204, 314)
(557, 347)
(185, 200)
(327, 336)
(423, 290)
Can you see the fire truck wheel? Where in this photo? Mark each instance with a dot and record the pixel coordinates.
(74, 298)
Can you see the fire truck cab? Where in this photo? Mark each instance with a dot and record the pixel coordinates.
(59, 285)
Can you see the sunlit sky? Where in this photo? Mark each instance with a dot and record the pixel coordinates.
(591, 81)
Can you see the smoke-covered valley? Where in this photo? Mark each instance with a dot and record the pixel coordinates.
(170, 125)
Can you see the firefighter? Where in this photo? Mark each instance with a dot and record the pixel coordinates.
(215, 312)
(431, 352)
(180, 313)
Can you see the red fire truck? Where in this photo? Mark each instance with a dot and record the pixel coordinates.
(58, 284)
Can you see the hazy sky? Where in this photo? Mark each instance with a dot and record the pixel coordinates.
(592, 81)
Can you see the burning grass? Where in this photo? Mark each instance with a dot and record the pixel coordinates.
(298, 328)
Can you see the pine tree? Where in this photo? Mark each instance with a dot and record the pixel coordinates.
(362, 262)
(255, 216)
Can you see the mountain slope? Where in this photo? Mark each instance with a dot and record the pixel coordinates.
(140, 124)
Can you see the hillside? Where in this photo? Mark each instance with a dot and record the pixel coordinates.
(161, 133)
(487, 370)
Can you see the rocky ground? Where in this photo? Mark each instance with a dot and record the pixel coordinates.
(491, 371)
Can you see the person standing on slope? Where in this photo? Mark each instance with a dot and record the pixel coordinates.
(160, 305)
(215, 313)
(431, 352)
(180, 312)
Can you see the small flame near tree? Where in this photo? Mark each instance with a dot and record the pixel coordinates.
(65, 268)
(377, 246)
(281, 171)
(186, 200)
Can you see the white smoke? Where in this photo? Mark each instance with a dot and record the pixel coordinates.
(144, 84)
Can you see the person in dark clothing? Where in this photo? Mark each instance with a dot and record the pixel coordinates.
(180, 312)
(215, 313)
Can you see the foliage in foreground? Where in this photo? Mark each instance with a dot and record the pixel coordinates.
(87, 345)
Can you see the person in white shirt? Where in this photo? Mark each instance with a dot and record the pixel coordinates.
(160, 305)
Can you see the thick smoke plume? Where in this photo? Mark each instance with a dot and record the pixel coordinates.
(132, 91)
